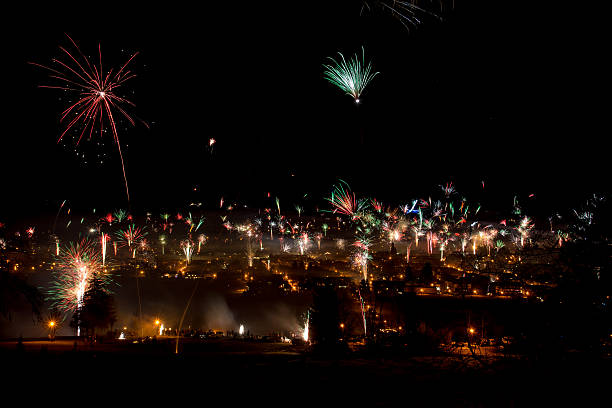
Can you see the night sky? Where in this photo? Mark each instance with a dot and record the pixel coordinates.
(505, 93)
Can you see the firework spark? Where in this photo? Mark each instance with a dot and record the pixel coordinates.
(96, 102)
(406, 12)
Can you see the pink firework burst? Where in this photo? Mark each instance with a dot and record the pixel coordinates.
(96, 102)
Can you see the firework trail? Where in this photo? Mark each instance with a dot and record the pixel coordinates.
(103, 241)
(363, 314)
(406, 12)
(250, 252)
(96, 101)
(352, 76)
(408, 252)
(57, 215)
(178, 332)
(306, 327)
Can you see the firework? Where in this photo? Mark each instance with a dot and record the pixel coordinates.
(524, 227)
(178, 332)
(408, 252)
(162, 241)
(406, 12)
(131, 235)
(362, 255)
(77, 267)
(201, 240)
(305, 333)
(325, 227)
(120, 215)
(103, 241)
(448, 189)
(352, 76)
(303, 242)
(187, 246)
(499, 244)
(363, 314)
(250, 252)
(57, 215)
(96, 102)
(344, 201)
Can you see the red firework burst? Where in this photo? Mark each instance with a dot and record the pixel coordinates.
(95, 93)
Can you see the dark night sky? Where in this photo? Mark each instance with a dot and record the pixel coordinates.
(508, 93)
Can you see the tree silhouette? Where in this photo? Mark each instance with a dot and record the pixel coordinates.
(427, 273)
(98, 310)
(325, 327)
(14, 289)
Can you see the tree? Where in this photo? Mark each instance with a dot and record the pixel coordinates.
(325, 325)
(427, 273)
(98, 310)
(14, 289)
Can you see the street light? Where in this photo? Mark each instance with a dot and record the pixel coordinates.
(52, 327)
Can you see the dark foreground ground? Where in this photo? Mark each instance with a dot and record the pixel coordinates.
(246, 373)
